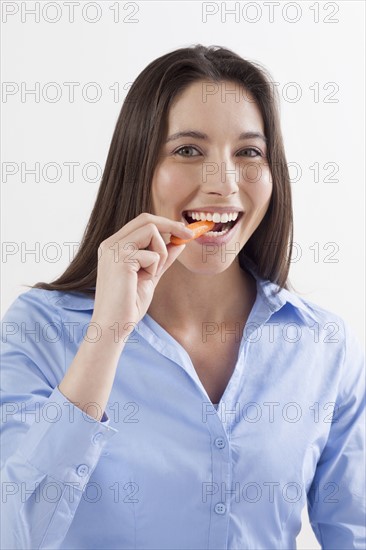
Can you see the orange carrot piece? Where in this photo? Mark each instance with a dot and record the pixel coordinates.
(199, 228)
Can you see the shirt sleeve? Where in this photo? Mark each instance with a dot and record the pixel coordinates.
(336, 499)
(49, 447)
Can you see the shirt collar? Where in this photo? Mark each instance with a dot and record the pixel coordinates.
(273, 297)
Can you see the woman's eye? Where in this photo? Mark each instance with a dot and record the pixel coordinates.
(251, 150)
(185, 148)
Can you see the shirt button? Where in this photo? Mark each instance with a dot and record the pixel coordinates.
(97, 437)
(82, 470)
(220, 508)
(220, 442)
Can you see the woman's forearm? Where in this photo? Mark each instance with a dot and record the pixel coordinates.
(89, 379)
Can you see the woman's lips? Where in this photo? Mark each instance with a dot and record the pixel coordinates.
(221, 239)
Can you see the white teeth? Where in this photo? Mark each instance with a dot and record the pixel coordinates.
(215, 217)
(216, 233)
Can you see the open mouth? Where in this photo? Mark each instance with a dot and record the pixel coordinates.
(218, 227)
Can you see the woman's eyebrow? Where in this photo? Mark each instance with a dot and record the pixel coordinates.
(201, 135)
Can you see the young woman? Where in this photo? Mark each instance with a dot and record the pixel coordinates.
(163, 396)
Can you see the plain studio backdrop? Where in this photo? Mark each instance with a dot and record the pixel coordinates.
(66, 69)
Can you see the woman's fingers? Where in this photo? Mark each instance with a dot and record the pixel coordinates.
(148, 261)
(173, 253)
(164, 225)
(146, 237)
(126, 260)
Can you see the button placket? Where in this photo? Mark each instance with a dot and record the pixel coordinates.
(220, 508)
(220, 442)
(97, 437)
(221, 474)
(82, 470)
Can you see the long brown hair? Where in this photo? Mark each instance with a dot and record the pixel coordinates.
(125, 188)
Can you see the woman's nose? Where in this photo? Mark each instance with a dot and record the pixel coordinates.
(220, 176)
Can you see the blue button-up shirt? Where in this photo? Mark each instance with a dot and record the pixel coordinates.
(165, 469)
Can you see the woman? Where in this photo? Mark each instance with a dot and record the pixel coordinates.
(112, 373)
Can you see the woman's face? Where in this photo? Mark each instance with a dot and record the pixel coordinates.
(216, 173)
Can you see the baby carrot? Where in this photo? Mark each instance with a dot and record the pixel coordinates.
(198, 228)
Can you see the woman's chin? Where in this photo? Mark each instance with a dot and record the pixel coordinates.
(210, 266)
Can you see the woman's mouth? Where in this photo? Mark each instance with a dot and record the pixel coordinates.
(221, 227)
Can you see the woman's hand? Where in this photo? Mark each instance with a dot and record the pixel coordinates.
(130, 264)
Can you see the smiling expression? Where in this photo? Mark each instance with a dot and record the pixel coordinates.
(219, 164)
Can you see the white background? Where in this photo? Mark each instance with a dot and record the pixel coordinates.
(317, 61)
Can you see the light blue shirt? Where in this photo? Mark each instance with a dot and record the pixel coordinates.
(163, 469)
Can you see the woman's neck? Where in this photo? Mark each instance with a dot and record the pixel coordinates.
(183, 300)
